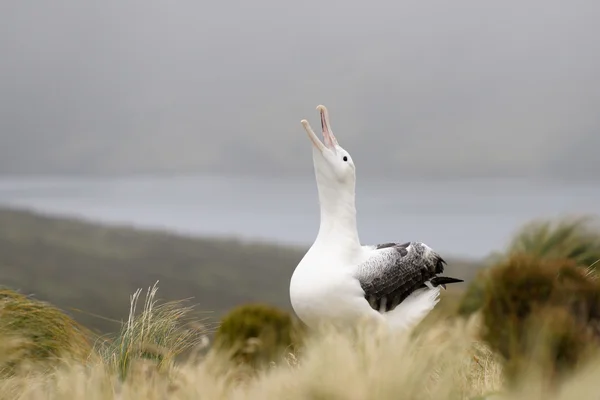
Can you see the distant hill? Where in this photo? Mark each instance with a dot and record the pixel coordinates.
(92, 269)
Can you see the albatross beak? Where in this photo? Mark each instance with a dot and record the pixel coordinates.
(329, 140)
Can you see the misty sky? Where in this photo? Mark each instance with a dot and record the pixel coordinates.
(414, 88)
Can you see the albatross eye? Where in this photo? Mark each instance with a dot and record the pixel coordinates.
(345, 158)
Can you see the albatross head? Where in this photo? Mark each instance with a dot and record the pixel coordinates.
(336, 181)
(333, 164)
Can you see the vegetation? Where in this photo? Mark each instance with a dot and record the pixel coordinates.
(541, 313)
(90, 270)
(536, 332)
(257, 334)
(447, 361)
(160, 333)
(575, 239)
(441, 363)
(36, 332)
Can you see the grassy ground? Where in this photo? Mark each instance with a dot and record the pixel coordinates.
(163, 350)
(445, 361)
(440, 365)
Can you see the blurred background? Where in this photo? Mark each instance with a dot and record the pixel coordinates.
(466, 119)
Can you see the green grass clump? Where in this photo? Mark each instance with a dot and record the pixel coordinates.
(576, 239)
(255, 334)
(541, 314)
(36, 333)
(159, 334)
(474, 295)
(573, 239)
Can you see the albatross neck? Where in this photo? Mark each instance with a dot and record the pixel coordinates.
(338, 215)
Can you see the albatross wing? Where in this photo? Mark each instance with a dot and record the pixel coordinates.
(402, 280)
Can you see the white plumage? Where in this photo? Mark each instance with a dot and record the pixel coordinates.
(341, 281)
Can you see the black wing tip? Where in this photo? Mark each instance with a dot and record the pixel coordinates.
(444, 280)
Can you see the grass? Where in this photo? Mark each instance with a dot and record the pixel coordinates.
(574, 239)
(527, 300)
(448, 360)
(445, 362)
(255, 334)
(162, 350)
(37, 332)
(160, 333)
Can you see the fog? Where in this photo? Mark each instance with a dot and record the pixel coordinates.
(414, 89)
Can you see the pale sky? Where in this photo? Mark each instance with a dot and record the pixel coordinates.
(436, 88)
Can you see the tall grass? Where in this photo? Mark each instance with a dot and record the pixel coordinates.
(365, 364)
(573, 239)
(445, 361)
(537, 300)
(576, 239)
(161, 332)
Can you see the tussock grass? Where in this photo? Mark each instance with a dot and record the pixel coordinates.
(445, 361)
(33, 332)
(542, 314)
(576, 239)
(257, 334)
(364, 364)
(442, 363)
(573, 239)
(535, 337)
(161, 332)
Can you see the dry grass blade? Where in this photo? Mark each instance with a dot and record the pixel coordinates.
(160, 333)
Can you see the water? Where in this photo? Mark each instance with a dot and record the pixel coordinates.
(461, 218)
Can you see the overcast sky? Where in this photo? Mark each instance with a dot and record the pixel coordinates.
(414, 88)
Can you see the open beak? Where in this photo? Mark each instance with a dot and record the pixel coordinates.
(329, 140)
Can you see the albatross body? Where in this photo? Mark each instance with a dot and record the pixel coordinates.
(341, 281)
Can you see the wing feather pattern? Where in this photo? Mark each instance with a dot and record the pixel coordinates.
(397, 270)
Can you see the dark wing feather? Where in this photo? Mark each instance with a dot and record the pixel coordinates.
(396, 271)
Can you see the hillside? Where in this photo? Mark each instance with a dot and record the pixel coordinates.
(91, 270)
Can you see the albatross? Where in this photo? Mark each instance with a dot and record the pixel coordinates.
(339, 280)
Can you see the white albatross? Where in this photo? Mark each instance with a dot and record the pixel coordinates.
(340, 280)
